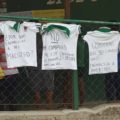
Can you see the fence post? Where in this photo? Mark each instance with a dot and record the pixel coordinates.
(75, 90)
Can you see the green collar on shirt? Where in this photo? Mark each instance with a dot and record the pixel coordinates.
(62, 28)
(16, 26)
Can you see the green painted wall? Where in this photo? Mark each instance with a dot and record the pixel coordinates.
(101, 10)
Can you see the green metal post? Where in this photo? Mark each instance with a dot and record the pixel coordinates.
(58, 20)
(75, 90)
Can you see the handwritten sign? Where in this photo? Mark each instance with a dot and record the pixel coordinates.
(20, 46)
(59, 50)
(103, 54)
(19, 51)
(3, 63)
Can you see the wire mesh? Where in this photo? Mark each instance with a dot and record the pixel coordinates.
(37, 89)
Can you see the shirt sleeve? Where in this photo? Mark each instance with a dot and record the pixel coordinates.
(85, 38)
(119, 45)
(2, 27)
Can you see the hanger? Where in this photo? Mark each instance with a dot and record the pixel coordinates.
(104, 29)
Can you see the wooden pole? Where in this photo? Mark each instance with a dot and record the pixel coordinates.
(67, 8)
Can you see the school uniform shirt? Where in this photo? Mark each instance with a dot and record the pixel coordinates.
(20, 43)
(103, 51)
(3, 63)
(59, 46)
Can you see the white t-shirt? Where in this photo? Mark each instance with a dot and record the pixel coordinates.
(20, 46)
(59, 50)
(103, 50)
(3, 63)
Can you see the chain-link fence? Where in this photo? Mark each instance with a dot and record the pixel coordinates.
(34, 89)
